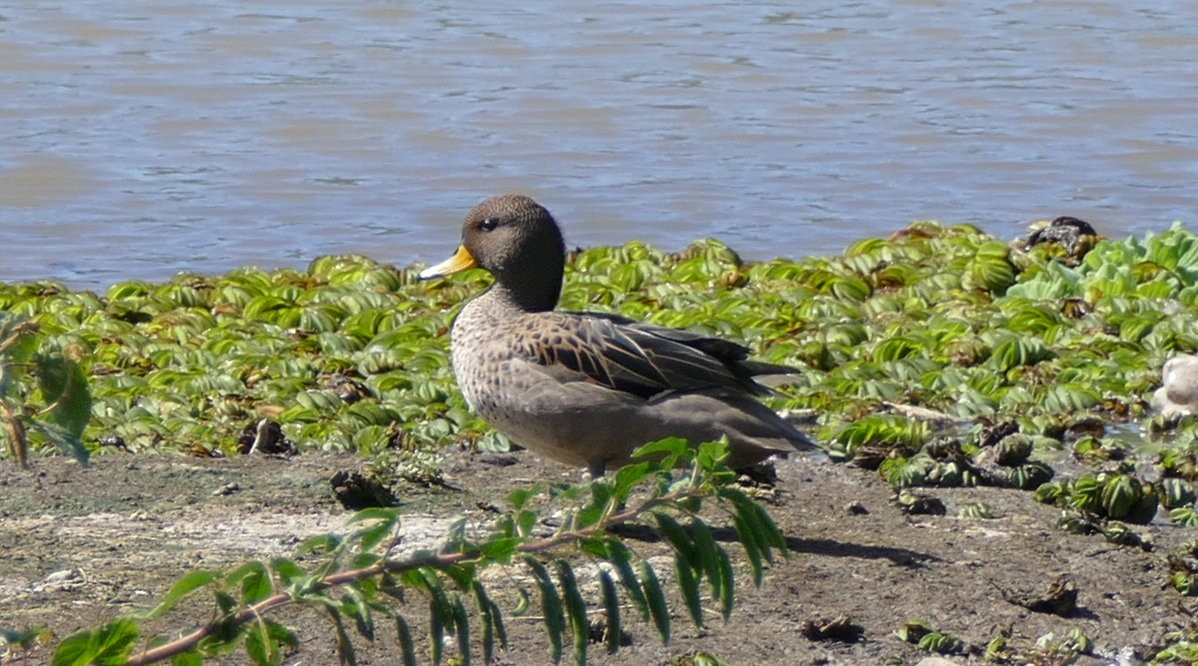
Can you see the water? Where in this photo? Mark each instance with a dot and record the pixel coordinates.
(139, 141)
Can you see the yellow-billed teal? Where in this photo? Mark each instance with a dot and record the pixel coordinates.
(588, 388)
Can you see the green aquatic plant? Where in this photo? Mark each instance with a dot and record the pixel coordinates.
(1106, 495)
(923, 635)
(349, 354)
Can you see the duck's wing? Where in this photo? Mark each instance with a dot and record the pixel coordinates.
(642, 359)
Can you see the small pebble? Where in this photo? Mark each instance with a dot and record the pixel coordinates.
(937, 661)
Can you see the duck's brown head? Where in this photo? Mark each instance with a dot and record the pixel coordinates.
(515, 239)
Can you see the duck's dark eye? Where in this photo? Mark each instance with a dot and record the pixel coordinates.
(489, 224)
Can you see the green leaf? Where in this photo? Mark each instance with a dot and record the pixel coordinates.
(62, 438)
(182, 587)
(551, 607)
(461, 621)
(289, 573)
(611, 610)
(627, 477)
(485, 608)
(678, 539)
(689, 587)
(355, 605)
(64, 386)
(727, 586)
(576, 610)
(658, 609)
(384, 519)
(109, 645)
(440, 616)
(711, 455)
(755, 518)
(406, 648)
(346, 656)
(670, 450)
(708, 552)
(748, 539)
(621, 559)
(191, 658)
(500, 630)
(255, 583)
(321, 543)
(500, 549)
(259, 646)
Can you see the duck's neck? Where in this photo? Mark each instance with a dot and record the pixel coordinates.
(526, 293)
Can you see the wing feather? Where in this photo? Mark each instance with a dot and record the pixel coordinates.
(643, 359)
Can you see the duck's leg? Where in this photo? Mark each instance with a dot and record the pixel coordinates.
(596, 469)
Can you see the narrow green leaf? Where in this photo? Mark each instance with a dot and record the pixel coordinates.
(611, 610)
(62, 438)
(487, 611)
(677, 537)
(406, 647)
(384, 515)
(551, 607)
(656, 601)
(775, 537)
(708, 552)
(183, 587)
(621, 558)
(757, 521)
(500, 629)
(439, 615)
(748, 539)
(521, 603)
(461, 574)
(345, 647)
(488, 637)
(689, 587)
(355, 605)
(461, 620)
(727, 585)
(64, 386)
(576, 609)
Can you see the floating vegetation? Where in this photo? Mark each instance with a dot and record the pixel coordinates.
(904, 343)
(922, 634)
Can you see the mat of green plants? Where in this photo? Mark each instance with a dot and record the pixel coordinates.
(993, 474)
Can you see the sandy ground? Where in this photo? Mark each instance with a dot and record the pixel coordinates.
(81, 546)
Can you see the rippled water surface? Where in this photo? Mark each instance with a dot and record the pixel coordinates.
(142, 140)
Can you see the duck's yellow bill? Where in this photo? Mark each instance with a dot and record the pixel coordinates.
(460, 261)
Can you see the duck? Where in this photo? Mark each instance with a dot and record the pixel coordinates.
(588, 388)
